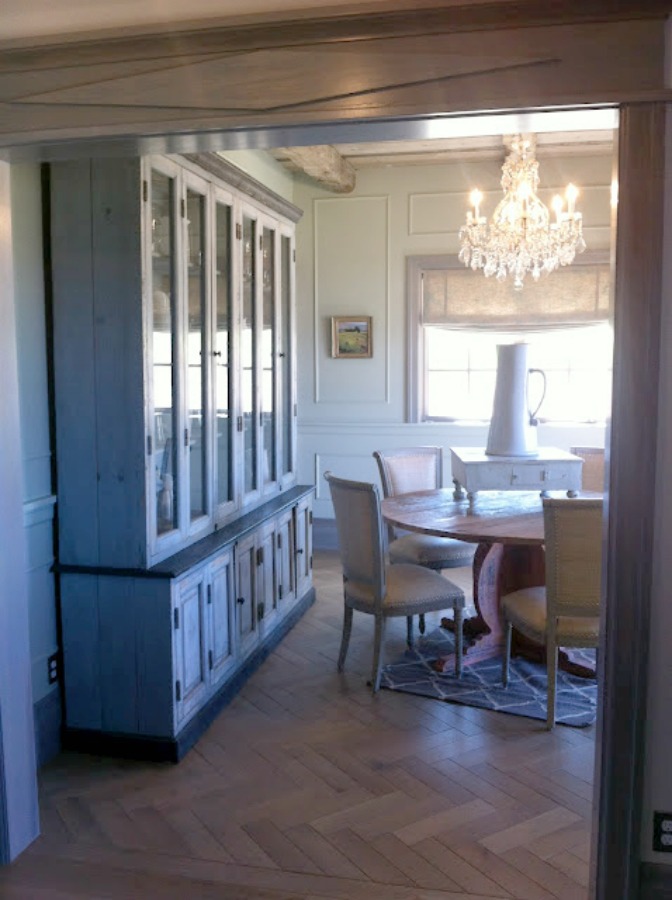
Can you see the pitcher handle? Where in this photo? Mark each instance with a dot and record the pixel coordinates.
(533, 414)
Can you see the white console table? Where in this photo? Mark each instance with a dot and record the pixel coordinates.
(550, 470)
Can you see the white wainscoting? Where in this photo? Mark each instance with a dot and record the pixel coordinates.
(346, 449)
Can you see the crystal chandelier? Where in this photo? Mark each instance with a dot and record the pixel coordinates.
(521, 238)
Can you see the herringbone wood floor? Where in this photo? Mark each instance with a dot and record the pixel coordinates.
(309, 787)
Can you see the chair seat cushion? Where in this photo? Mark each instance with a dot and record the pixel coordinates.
(434, 552)
(526, 610)
(410, 590)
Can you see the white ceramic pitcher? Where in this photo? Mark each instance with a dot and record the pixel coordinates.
(513, 427)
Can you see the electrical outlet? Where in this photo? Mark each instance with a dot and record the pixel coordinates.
(662, 832)
(52, 668)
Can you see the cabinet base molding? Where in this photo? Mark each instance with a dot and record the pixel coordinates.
(157, 749)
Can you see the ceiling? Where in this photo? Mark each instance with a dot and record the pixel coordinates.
(442, 150)
(335, 166)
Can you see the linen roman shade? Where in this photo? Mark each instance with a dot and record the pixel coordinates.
(579, 294)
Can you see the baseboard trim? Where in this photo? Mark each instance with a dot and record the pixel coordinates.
(655, 881)
(48, 717)
(325, 536)
(166, 749)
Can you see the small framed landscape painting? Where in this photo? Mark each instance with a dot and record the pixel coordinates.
(351, 337)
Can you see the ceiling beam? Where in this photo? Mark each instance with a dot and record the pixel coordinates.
(323, 163)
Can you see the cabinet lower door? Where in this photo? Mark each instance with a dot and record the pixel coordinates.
(221, 636)
(191, 679)
(266, 581)
(246, 606)
(304, 546)
(285, 560)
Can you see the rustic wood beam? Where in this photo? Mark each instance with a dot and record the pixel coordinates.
(324, 164)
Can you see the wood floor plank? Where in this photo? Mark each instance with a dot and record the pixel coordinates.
(323, 853)
(419, 870)
(286, 855)
(522, 834)
(436, 823)
(368, 859)
(510, 878)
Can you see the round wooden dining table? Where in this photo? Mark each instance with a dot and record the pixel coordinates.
(508, 527)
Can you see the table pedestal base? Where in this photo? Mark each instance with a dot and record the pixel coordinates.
(501, 569)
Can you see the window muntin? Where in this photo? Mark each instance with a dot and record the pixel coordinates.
(461, 365)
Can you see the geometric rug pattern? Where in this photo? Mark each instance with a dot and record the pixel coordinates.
(481, 683)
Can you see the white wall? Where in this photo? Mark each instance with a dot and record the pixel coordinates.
(260, 165)
(351, 259)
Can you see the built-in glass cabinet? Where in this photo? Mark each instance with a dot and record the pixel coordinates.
(193, 279)
(184, 541)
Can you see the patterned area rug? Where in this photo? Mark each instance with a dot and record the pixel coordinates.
(481, 683)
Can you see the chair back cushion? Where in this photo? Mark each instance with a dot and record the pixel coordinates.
(410, 469)
(360, 535)
(592, 471)
(573, 539)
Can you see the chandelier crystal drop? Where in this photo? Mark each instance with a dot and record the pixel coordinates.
(521, 237)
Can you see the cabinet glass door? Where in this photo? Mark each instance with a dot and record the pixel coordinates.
(249, 350)
(268, 359)
(222, 350)
(285, 360)
(195, 434)
(163, 349)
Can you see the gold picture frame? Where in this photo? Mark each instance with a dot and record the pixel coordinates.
(351, 337)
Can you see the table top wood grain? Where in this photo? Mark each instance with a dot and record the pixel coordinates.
(498, 517)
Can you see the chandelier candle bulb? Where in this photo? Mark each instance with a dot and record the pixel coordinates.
(571, 193)
(475, 197)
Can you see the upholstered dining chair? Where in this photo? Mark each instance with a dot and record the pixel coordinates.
(372, 585)
(592, 472)
(403, 471)
(566, 612)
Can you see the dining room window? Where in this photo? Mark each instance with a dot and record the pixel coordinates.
(458, 317)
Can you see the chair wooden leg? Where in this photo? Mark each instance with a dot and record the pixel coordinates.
(345, 639)
(507, 653)
(551, 677)
(409, 630)
(457, 618)
(377, 653)
(421, 623)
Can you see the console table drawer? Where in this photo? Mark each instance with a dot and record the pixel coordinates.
(551, 470)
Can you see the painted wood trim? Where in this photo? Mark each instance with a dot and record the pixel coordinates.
(236, 178)
(624, 657)
(19, 817)
(48, 714)
(40, 510)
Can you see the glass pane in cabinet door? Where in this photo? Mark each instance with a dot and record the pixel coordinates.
(222, 350)
(268, 340)
(196, 353)
(286, 355)
(163, 351)
(248, 358)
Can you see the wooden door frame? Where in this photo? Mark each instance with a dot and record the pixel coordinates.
(634, 434)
